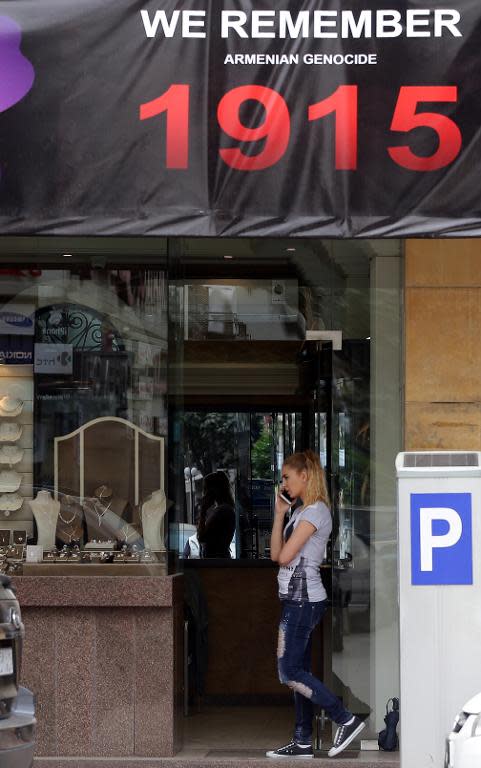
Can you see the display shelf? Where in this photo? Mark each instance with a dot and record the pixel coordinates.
(94, 569)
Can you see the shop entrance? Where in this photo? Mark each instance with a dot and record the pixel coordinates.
(212, 355)
(260, 367)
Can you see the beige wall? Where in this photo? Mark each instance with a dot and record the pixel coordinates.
(443, 344)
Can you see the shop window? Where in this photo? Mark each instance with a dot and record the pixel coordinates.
(84, 426)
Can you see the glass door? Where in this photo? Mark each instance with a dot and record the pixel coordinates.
(342, 440)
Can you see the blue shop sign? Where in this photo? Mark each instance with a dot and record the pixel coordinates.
(16, 350)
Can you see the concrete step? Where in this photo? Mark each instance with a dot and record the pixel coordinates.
(225, 760)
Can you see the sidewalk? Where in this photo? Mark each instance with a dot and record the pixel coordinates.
(365, 760)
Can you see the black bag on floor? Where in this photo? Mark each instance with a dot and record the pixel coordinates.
(388, 738)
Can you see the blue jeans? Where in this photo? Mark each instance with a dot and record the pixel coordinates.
(298, 620)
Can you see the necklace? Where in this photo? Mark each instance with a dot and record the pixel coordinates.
(101, 514)
(64, 521)
(126, 534)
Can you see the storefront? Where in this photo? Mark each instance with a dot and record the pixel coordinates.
(209, 354)
(222, 264)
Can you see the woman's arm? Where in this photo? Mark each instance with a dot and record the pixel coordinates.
(283, 552)
(300, 535)
(277, 528)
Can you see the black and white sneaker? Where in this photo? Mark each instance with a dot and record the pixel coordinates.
(292, 750)
(345, 734)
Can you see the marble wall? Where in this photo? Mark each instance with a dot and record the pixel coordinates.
(102, 656)
(443, 344)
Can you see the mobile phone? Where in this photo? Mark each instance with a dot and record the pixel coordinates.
(285, 496)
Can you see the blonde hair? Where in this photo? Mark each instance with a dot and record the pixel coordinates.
(316, 487)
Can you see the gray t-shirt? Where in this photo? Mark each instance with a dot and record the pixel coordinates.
(301, 578)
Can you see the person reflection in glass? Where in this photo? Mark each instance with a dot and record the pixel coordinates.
(216, 524)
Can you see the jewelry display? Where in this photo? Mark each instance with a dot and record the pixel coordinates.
(64, 554)
(34, 553)
(10, 502)
(98, 546)
(70, 521)
(75, 554)
(10, 481)
(128, 532)
(20, 537)
(104, 496)
(15, 552)
(63, 520)
(131, 461)
(45, 511)
(153, 517)
(10, 432)
(11, 454)
(103, 514)
(4, 537)
(10, 406)
(49, 557)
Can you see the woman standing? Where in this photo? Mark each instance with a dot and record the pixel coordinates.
(299, 549)
(216, 525)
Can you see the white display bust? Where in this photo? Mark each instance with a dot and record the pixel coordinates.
(153, 516)
(45, 511)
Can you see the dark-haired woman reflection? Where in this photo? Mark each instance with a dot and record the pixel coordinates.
(216, 525)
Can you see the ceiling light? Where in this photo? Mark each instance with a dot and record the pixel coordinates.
(67, 255)
(290, 249)
(227, 256)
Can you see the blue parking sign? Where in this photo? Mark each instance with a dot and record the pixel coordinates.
(441, 538)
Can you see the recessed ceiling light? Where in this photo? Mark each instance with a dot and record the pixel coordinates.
(227, 256)
(290, 249)
(67, 255)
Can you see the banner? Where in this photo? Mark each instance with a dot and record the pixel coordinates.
(195, 117)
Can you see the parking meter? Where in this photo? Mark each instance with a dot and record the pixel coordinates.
(439, 535)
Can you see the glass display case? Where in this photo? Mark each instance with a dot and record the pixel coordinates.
(83, 418)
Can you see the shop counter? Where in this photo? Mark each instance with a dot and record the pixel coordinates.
(243, 609)
(103, 654)
(94, 569)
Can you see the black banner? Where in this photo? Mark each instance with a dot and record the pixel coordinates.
(317, 118)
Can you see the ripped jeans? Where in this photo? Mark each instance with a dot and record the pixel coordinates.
(298, 620)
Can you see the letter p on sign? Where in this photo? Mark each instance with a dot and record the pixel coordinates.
(441, 538)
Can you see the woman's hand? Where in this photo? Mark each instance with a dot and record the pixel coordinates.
(281, 506)
(280, 509)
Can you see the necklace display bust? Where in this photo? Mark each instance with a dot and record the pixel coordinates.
(153, 516)
(45, 511)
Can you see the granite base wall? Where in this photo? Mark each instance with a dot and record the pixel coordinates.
(102, 656)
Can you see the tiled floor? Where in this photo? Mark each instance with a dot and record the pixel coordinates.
(234, 728)
(233, 737)
(245, 733)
